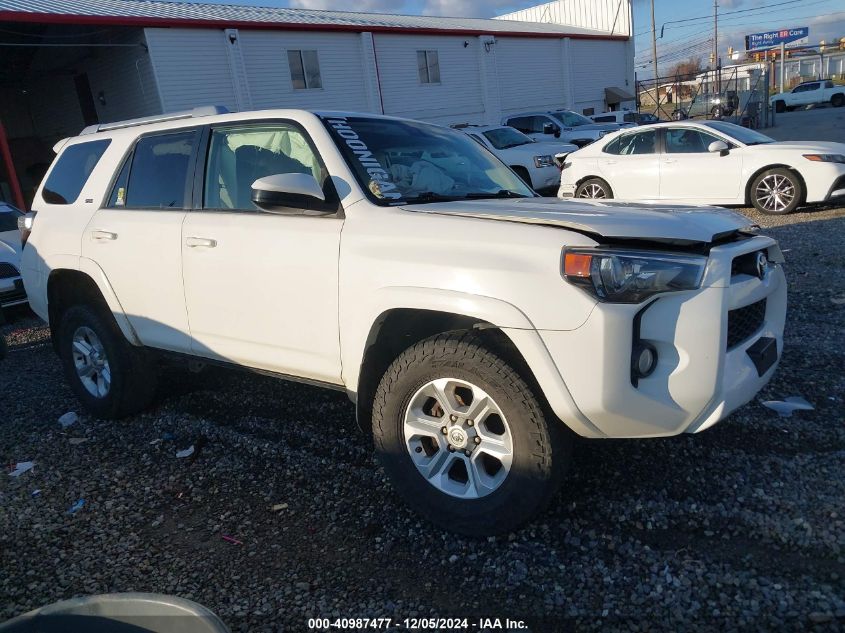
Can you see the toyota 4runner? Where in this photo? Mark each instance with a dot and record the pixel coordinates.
(477, 327)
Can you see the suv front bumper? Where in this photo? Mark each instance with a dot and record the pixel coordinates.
(702, 338)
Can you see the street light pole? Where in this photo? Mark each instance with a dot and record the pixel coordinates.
(654, 57)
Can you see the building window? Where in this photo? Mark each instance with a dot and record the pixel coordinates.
(429, 67)
(304, 70)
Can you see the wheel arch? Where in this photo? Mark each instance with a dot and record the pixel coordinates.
(759, 171)
(513, 337)
(68, 287)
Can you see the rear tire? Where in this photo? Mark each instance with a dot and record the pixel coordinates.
(111, 377)
(837, 100)
(780, 106)
(777, 191)
(517, 453)
(595, 188)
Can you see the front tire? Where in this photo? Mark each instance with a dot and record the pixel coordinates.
(837, 100)
(111, 378)
(595, 188)
(501, 458)
(777, 191)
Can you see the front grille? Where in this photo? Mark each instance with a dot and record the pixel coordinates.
(7, 271)
(745, 322)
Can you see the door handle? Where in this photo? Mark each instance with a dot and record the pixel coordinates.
(669, 160)
(610, 162)
(200, 242)
(103, 235)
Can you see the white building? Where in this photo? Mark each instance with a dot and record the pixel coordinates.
(68, 63)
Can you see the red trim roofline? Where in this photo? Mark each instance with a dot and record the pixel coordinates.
(113, 20)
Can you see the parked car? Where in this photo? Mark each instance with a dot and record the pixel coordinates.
(477, 327)
(620, 117)
(708, 162)
(533, 161)
(715, 105)
(809, 93)
(11, 285)
(565, 125)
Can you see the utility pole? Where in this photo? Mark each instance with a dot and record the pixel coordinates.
(717, 75)
(654, 57)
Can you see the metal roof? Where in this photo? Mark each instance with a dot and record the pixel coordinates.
(160, 13)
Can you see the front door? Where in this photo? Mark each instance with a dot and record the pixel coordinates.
(262, 288)
(688, 171)
(135, 237)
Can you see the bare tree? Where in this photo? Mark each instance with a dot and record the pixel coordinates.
(691, 66)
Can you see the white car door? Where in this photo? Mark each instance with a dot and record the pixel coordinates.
(262, 287)
(136, 237)
(629, 165)
(688, 171)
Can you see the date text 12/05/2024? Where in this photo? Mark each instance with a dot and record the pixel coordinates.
(417, 624)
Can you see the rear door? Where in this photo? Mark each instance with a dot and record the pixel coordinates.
(135, 237)
(629, 165)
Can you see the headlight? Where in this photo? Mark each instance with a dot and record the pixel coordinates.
(543, 161)
(825, 158)
(602, 133)
(621, 276)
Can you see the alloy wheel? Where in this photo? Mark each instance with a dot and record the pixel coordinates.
(91, 362)
(592, 191)
(458, 438)
(775, 192)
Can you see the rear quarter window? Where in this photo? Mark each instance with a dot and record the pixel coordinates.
(71, 171)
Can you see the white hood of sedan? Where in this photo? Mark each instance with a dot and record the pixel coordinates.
(620, 220)
(818, 147)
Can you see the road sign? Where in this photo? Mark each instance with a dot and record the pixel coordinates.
(772, 39)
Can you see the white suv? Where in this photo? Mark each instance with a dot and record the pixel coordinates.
(477, 327)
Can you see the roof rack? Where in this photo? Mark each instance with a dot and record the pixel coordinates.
(200, 111)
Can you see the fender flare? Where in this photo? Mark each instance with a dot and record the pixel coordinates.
(90, 268)
(496, 312)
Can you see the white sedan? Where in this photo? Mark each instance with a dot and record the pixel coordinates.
(533, 161)
(707, 162)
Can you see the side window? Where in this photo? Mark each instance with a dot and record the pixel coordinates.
(629, 117)
(614, 146)
(639, 143)
(828, 84)
(798, 89)
(239, 156)
(814, 86)
(304, 70)
(521, 123)
(687, 141)
(71, 171)
(538, 122)
(604, 119)
(118, 192)
(159, 172)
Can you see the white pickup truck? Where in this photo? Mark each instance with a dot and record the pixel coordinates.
(809, 93)
(477, 327)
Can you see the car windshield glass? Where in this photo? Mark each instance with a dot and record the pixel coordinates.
(505, 137)
(398, 161)
(571, 119)
(742, 134)
(8, 218)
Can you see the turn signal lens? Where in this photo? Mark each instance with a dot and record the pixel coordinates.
(825, 158)
(577, 264)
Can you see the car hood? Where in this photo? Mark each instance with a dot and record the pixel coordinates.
(821, 147)
(10, 245)
(617, 220)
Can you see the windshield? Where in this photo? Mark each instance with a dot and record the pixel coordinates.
(571, 119)
(505, 137)
(742, 134)
(407, 161)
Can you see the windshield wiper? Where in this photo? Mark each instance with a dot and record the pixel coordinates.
(431, 196)
(502, 193)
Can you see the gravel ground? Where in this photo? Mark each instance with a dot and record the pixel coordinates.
(740, 527)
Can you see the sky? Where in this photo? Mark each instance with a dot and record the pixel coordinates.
(687, 24)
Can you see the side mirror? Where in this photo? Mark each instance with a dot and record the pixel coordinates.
(718, 146)
(280, 193)
(551, 128)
